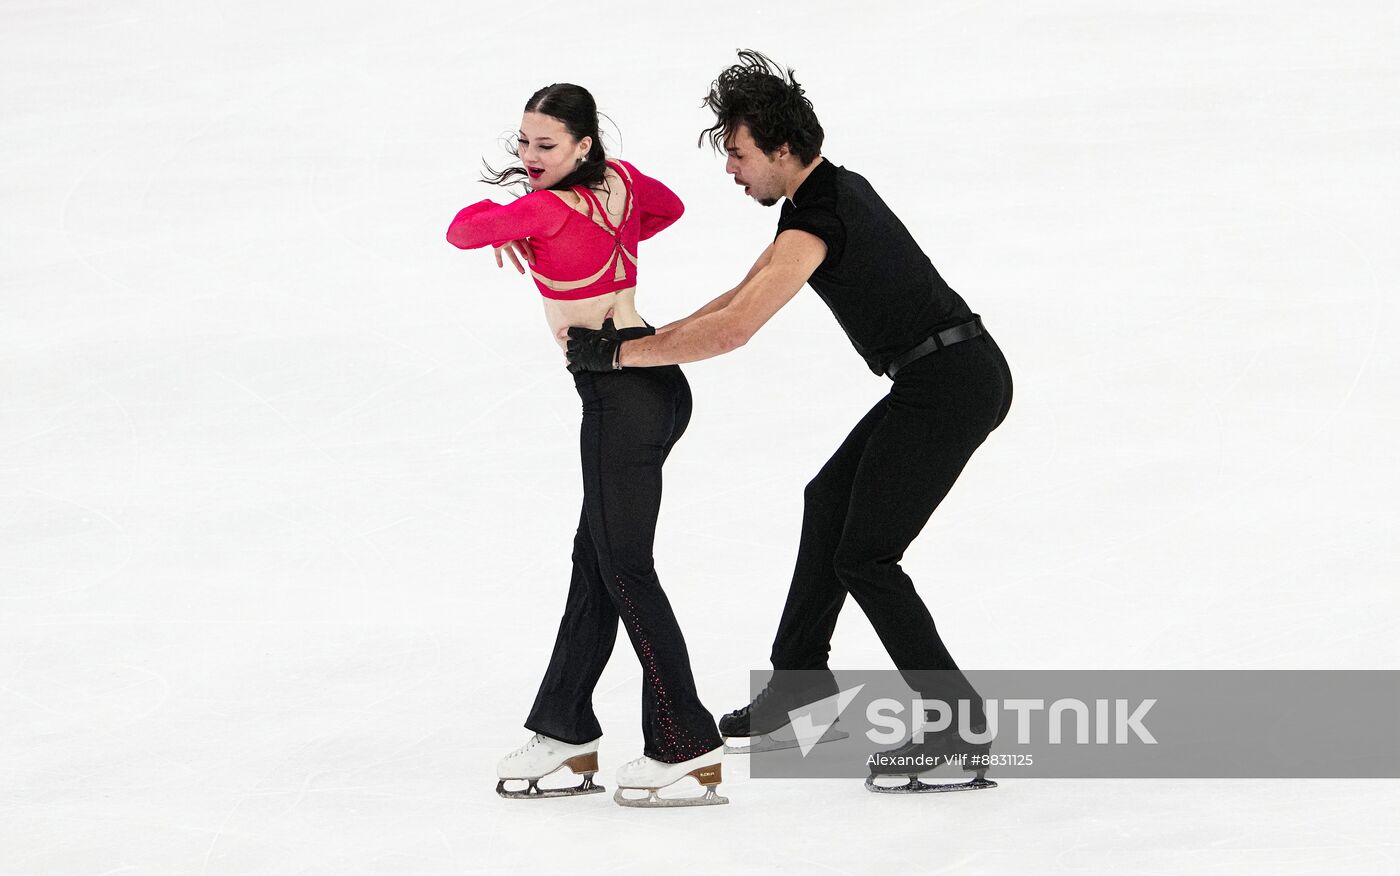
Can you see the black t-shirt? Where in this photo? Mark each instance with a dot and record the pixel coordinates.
(881, 287)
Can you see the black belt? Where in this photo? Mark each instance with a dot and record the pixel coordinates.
(945, 338)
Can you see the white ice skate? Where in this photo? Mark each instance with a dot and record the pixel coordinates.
(645, 774)
(541, 756)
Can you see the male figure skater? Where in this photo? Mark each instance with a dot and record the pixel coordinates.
(950, 388)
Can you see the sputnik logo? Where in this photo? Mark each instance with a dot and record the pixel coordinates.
(810, 722)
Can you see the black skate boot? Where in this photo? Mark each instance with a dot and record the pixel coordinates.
(945, 750)
(768, 721)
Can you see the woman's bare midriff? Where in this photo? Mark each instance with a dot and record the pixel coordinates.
(590, 312)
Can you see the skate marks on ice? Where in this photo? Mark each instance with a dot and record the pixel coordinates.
(585, 765)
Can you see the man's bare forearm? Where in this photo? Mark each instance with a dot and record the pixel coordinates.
(729, 321)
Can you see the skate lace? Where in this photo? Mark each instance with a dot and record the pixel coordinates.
(534, 740)
(762, 695)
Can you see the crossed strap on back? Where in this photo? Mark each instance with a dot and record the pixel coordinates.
(617, 261)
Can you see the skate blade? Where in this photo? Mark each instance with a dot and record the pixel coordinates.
(653, 801)
(915, 786)
(773, 742)
(535, 792)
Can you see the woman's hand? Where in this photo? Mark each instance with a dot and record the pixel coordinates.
(513, 249)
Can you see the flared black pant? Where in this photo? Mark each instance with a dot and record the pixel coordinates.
(631, 420)
(873, 497)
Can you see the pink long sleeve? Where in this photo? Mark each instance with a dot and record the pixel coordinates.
(657, 206)
(538, 214)
(577, 251)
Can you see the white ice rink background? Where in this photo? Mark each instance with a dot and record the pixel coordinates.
(288, 484)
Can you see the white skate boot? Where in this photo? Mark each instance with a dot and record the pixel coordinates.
(541, 756)
(645, 774)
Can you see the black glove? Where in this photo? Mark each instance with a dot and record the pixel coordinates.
(594, 349)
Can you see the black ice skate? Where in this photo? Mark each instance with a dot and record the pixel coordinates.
(782, 717)
(911, 760)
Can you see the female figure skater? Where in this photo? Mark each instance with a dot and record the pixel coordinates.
(578, 229)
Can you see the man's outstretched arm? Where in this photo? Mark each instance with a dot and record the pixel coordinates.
(729, 321)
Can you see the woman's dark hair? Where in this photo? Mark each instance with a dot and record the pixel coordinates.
(762, 95)
(574, 107)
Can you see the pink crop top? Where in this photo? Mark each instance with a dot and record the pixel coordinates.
(577, 255)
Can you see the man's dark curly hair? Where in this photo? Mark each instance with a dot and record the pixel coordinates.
(759, 93)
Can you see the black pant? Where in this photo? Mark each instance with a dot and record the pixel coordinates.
(631, 420)
(873, 497)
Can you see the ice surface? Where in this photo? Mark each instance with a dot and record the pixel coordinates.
(288, 484)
